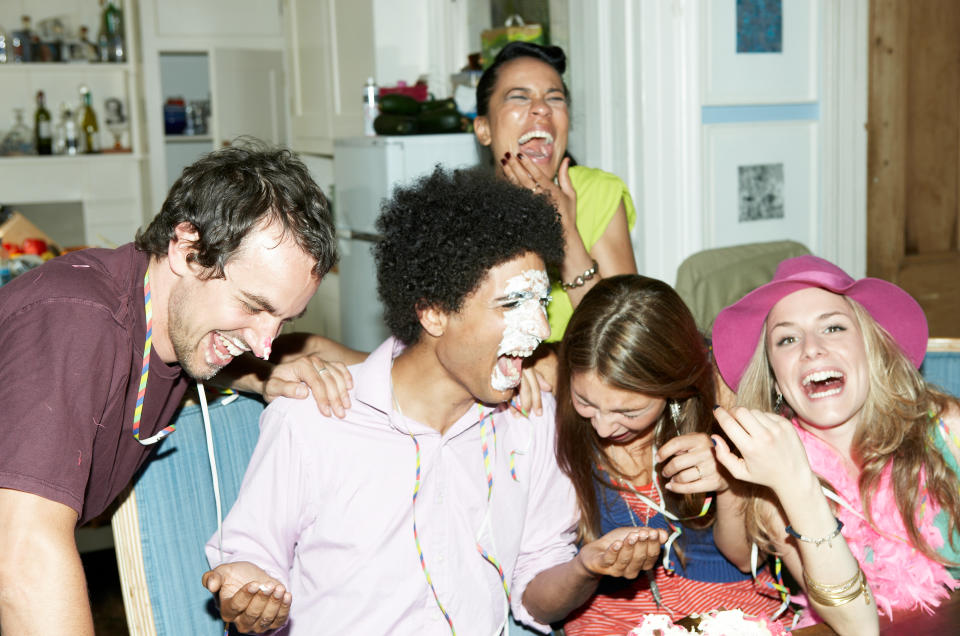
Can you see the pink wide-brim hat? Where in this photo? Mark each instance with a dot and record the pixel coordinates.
(739, 327)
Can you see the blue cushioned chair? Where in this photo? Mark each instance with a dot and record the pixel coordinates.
(942, 364)
(170, 513)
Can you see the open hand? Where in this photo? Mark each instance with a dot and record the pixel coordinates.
(248, 596)
(623, 552)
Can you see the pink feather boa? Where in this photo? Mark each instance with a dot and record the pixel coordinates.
(900, 577)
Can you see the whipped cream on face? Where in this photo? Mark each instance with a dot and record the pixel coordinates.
(523, 324)
(535, 134)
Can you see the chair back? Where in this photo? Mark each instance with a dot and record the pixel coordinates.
(710, 280)
(170, 513)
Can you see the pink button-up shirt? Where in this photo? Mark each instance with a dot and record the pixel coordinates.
(326, 507)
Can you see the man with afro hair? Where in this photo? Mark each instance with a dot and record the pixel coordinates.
(435, 506)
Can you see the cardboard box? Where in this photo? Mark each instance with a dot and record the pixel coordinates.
(16, 227)
(492, 40)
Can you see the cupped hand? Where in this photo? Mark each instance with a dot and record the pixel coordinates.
(771, 453)
(623, 552)
(690, 464)
(328, 381)
(248, 597)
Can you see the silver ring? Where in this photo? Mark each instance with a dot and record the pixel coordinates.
(699, 472)
(322, 370)
(536, 187)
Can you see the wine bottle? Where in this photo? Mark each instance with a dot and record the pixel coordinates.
(68, 141)
(42, 127)
(87, 119)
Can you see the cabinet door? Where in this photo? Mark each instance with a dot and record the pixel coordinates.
(247, 95)
(331, 56)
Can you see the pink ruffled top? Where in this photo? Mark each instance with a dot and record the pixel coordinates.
(900, 576)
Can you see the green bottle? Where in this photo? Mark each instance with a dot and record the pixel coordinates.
(43, 127)
(89, 131)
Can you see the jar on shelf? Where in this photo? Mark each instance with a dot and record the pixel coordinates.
(19, 140)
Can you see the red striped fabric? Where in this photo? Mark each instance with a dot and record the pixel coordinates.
(619, 614)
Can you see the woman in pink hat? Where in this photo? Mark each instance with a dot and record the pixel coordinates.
(826, 373)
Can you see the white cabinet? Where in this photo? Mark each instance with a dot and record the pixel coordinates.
(333, 46)
(331, 53)
(107, 189)
(227, 51)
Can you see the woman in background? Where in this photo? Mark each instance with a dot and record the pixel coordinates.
(523, 117)
(634, 417)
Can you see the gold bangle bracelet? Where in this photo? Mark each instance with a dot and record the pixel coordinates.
(839, 594)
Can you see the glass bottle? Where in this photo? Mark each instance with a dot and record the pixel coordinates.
(42, 127)
(22, 41)
(111, 34)
(87, 123)
(370, 107)
(86, 51)
(19, 139)
(68, 141)
(5, 53)
(103, 38)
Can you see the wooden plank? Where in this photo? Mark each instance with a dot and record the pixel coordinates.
(933, 281)
(932, 127)
(886, 135)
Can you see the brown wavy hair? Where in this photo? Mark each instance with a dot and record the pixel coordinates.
(897, 424)
(637, 335)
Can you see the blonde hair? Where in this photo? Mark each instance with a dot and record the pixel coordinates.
(896, 427)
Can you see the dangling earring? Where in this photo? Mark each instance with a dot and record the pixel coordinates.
(779, 403)
(675, 414)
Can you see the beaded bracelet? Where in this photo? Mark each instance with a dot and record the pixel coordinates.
(582, 279)
(827, 539)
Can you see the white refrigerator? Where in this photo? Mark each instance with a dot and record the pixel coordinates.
(366, 171)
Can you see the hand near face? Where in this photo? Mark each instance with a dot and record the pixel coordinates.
(690, 465)
(248, 596)
(525, 173)
(328, 381)
(771, 451)
(623, 552)
(531, 384)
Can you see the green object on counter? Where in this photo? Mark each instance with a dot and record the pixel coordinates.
(439, 121)
(390, 124)
(397, 104)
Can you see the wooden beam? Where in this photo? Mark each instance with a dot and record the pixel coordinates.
(886, 137)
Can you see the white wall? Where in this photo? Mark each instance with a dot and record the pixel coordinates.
(637, 72)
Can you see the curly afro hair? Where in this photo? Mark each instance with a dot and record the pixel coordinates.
(445, 232)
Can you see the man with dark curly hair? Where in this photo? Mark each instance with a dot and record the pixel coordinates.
(97, 348)
(490, 527)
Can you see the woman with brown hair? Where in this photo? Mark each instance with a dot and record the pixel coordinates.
(635, 397)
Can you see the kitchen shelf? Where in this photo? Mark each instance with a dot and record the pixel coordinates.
(70, 159)
(60, 67)
(186, 139)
